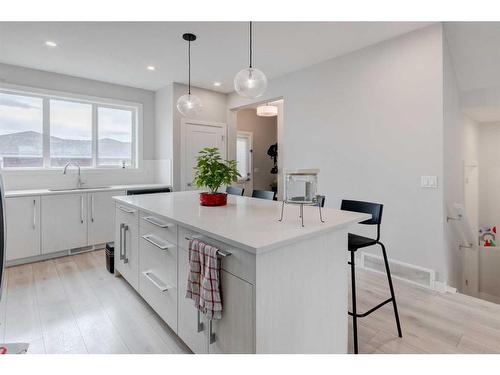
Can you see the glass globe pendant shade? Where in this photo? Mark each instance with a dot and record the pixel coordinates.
(189, 105)
(250, 83)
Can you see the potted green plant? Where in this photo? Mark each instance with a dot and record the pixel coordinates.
(212, 172)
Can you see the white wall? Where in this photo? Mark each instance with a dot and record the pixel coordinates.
(489, 174)
(460, 148)
(372, 121)
(168, 126)
(17, 75)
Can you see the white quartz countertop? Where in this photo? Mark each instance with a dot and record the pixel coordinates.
(32, 192)
(248, 223)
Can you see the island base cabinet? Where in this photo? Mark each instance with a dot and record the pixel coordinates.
(127, 243)
(234, 333)
(192, 326)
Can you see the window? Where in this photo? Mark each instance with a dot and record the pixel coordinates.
(114, 140)
(45, 131)
(21, 124)
(243, 155)
(70, 133)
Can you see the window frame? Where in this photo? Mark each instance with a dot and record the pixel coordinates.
(96, 102)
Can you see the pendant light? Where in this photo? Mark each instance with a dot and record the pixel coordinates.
(250, 82)
(188, 104)
(267, 110)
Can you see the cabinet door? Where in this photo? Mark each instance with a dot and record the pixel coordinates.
(192, 326)
(127, 244)
(23, 227)
(64, 219)
(235, 332)
(101, 218)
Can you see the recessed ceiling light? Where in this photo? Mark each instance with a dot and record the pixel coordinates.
(217, 84)
(50, 43)
(151, 67)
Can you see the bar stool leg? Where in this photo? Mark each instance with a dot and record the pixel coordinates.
(354, 311)
(389, 278)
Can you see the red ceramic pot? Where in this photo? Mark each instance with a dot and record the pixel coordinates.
(213, 199)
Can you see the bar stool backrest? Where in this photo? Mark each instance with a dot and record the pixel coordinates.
(235, 190)
(263, 194)
(374, 209)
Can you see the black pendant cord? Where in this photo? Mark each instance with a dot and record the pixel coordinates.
(189, 67)
(250, 44)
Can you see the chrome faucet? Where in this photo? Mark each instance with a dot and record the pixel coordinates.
(80, 183)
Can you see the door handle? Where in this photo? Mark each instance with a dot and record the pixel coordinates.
(92, 207)
(121, 241)
(189, 184)
(125, 229)
(34, 214)
(81, 209)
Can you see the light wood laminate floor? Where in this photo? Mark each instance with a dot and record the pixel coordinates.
(73, 305)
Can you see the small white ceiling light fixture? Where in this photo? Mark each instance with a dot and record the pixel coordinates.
(217, 84)
(150, 67)
(50, 43)
(189, 105)
(267, 110)
(250, 82)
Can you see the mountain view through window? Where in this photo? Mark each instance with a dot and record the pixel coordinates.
(71, 138)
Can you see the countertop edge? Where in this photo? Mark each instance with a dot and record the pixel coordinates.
(36, 192)
(250, 249)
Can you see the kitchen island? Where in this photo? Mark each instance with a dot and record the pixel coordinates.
(284, 287)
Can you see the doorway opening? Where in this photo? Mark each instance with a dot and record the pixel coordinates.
(257, 151)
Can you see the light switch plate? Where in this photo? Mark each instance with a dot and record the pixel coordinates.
(429, 182)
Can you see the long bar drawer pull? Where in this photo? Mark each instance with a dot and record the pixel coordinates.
(156, 281)
(127, 210)
(151, 238)
(221, 253)
(155, 221)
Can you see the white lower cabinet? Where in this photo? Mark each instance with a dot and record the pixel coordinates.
(192, 326)
(234, 333)
(127, 243)
(64, 222)
(158, 264)
(23, 227)
(101, 216)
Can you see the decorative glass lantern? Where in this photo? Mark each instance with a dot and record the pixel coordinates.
(301, 189)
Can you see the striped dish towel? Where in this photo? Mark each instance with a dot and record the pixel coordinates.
(204, 279)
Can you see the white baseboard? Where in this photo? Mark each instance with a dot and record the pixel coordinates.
(410, 273)
(59, 254)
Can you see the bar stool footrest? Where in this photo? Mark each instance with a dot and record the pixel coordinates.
(371, 310)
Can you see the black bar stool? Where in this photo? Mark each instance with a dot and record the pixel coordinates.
(356, 242)
(235, 190)
(263, 194)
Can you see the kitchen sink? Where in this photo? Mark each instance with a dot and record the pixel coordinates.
(82, 188)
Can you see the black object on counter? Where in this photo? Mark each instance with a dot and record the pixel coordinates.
(110, 257)
(149, 191)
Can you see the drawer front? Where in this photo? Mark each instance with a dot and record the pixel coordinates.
(158, 276)
(156, 224)
(240, 263)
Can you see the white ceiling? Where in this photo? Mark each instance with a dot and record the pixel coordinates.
(119, 52)
(475, 52)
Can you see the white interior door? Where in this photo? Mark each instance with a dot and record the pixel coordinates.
(196, 136)
(470, 259)
(244, 157)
